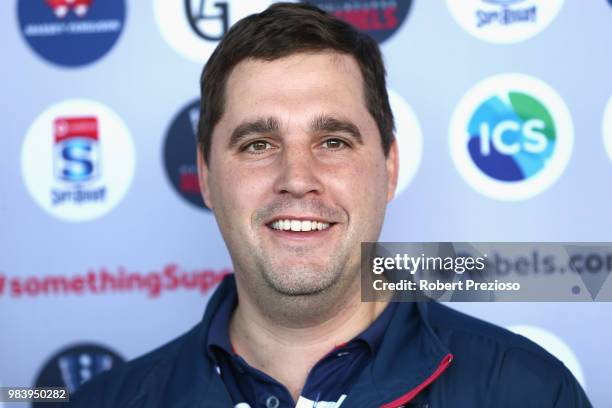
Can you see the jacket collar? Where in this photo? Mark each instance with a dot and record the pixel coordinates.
(192, 380)
(410, 355)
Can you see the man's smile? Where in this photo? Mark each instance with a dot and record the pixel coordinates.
(300, 227)
(296, 225)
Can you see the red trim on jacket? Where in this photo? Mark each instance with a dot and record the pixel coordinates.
(398, 402)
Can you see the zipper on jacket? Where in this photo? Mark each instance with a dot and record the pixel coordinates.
(398, 402)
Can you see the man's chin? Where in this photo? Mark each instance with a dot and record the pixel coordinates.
(293, 291)
(300, 283)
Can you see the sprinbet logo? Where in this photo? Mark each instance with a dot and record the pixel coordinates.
(506, 15)
(66, 159)
(511, 136)
(71, 32)
(504, 21)
(193, 28)
(380, 19)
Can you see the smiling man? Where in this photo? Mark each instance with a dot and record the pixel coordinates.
(297, 160)
(295, 146)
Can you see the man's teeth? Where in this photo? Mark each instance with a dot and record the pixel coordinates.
(297, 225)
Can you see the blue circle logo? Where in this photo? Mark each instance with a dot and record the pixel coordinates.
(511, 136)
(379, 19)
(73, 366)
(71, 33)
(180, 154)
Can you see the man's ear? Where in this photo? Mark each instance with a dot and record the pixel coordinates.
(392, 169)
(203, 178)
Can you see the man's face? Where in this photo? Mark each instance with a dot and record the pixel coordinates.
(297, 177)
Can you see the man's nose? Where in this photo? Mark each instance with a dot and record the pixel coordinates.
(299, 172)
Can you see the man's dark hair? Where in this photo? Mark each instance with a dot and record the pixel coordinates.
(282, 30)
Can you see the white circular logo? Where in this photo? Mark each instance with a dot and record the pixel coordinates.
(504, 21)
(409, 140)
(78, 160)
(194, 27)
(607, 127)
(555, 346)
(511, 137)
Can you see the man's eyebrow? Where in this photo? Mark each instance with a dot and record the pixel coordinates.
(326, 123)
(256, 126)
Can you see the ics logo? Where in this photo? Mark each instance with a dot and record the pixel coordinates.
(73, 366)
(504, 21)
(380, 19)
(71, 32)
(194, 27)
(180, 154)
(66, 160)
(607, 127)
(511, 136)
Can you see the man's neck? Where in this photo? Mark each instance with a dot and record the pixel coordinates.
(288, 353)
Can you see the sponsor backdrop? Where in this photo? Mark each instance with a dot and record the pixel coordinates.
(504, 122)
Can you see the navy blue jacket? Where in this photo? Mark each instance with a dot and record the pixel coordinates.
(431, 357)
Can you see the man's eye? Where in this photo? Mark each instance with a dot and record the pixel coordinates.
(257, 146)
(335, 144)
